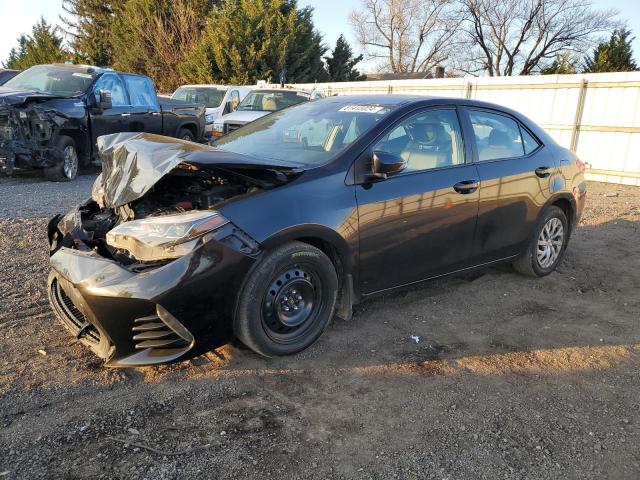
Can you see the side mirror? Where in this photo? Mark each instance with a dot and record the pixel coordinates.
(385, 164)
(105, 100)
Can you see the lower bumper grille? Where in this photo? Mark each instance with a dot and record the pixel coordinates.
(152, 332)
(71, 315)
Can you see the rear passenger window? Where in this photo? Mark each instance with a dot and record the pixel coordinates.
(428, 140)
(141, 91)
(498, 137)
(530, 143)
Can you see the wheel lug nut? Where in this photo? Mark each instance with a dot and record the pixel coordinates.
(295, 307)
(285, 299)
(299, 297)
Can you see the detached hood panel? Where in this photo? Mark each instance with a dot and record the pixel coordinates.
(132, 163)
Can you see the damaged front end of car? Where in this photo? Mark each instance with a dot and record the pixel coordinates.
(148, 269)
(28, 133)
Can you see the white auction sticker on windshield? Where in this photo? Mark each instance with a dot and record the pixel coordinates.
(83, 75)
(362, 108)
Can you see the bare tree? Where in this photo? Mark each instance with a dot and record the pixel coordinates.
(519, 37)
(406, 35)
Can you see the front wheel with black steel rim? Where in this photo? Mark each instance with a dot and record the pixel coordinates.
(67, 169)
(286, 301)
(547, 245)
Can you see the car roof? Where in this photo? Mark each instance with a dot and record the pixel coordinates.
(90, 69)
(208, 85)
(406, 100)
(280, 89)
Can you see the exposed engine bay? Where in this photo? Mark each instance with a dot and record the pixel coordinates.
(29, 130)
(158, 197)
(183, 190)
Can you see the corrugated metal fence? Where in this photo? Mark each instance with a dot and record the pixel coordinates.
(596, 115)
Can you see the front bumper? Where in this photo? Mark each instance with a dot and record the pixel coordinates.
(134, 318)
(19, 155)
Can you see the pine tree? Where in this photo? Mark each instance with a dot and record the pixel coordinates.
(341, 63)
(249, 40)
(616, 55)
(89, 25)
(563, 64)
(153, 37)
(44, 45)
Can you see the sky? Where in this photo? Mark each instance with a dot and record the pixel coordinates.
(330, 17)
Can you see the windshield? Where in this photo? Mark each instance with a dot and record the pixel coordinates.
(210, 97)
(65, 82)
(272, 100)
(310, 134)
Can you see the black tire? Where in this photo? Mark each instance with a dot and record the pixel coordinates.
(185, 134)
(295, 276)
(530, 263)
(67, 170)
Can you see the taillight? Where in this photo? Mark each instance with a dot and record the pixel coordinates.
(581, 165)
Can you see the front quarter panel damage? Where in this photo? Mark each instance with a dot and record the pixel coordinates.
(29, 132)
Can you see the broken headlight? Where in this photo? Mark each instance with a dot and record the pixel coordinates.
(166, 237)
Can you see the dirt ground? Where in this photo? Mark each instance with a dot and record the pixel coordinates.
(511, 378)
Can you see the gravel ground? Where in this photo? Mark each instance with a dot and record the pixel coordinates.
(512, 377)
(29, 196)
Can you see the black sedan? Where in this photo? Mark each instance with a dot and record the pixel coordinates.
(289, 221)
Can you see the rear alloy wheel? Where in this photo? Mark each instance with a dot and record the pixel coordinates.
(547, 245)
(287, 300)
(185, 134)
(67, 170)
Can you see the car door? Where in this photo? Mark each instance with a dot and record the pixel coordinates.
(112, 120)
(146, 115)
(516, 172)
(420, 222)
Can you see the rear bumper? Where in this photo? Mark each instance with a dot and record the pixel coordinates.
(580, 196)
(154, 316)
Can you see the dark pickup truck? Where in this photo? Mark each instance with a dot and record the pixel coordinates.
(52, 115)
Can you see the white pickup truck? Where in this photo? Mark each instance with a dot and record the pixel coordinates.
(219, 100)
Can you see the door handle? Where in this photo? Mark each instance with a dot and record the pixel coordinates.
(466, 186)
(542, 172)
(155, 113)
(125, 114)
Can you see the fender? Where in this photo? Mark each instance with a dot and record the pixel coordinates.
(192, 126)
(348, 276)
(563, 195)
(315, 231)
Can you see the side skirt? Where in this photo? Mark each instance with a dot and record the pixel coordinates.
(364, 296)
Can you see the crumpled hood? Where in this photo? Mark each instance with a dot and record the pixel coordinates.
(132, 163)
(9, 96)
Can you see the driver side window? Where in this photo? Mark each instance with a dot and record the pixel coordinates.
(427, 140)
(111, 83)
